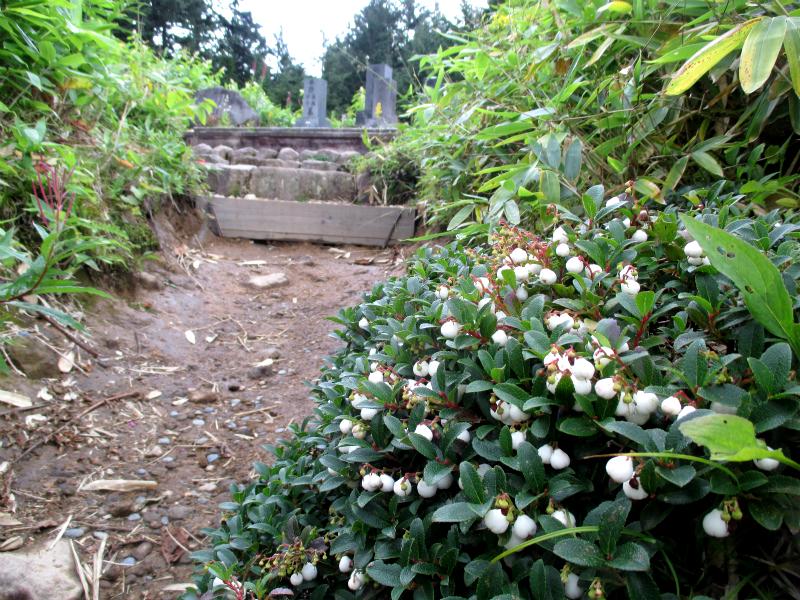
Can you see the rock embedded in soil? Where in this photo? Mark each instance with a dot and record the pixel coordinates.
(142, 550)
(74, 532)
(203, 396)
(271, 280)
(178, 512)
(39, 571)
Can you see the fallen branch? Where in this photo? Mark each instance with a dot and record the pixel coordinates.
(74, 339)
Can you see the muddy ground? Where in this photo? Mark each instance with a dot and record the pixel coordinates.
(190, 397)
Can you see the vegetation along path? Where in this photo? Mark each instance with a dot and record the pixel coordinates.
(199, 366)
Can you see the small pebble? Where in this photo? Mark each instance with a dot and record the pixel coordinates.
(201, 440)
(142, 472)
(174, 413)
(100, 535)
(128, 561)
(282, 372)
(168, 459)
(165, 520)
(134, 517)
(212, 457)
(164, 441)
(198, 422)
(210, 410)
(74, 532)
(235, 402)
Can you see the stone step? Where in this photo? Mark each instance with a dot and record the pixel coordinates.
(282, 183)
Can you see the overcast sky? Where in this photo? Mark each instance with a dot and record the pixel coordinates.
(306, 23)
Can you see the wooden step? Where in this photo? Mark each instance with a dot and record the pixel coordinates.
(314, 221)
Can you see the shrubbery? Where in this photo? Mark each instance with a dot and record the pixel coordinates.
(478, 401)
(548, 98)
(93, 131)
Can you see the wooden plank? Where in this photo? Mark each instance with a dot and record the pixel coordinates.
(329, 222)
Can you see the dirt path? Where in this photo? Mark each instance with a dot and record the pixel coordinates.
(199, 413)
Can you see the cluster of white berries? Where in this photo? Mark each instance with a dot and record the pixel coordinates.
(568, 364)
(307, 573)
(695, 255)
(620, 469)
(424, 368)
(507, 413)
(636, 407)
(497, 521)
(628, 277)
(672, 407)
(555, 457)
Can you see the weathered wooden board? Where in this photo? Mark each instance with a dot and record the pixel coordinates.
(330, 222)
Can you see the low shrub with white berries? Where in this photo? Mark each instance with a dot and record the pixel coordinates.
(531, 397)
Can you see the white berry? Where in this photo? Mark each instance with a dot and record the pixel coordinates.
(563, 516)
(582, 368)
(402, 487)
(575, 265)
(559, 460)
(345, 426)
(521, 273)
(560, 235)
(425, 490)
(548, 277)
(387, 483)
(593, 270)
(563, 250)
(500, 337)
(433, 367)
(363, 323)
(524, 527)
(367, 414)
(686, 410)
(630, 287)
(356, 581)
(443, 292)
(581, 386)
(309, 572)
(545, 453)
(296, 579)
(693, 250)
(450, 329)
(639, 236)
(517, 438)
(671, 406)
(767, 464)
(620, 468)
(522, 293)
(424, 431)
(634, 493)
(371, 482)
(571, 588)
(518, 256)
(345, 564)
(464, 436)
(376, 377)
(714, 526)
(496, 521)
(420, 368)
(605, 388)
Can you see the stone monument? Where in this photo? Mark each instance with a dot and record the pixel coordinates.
(315, 103)
(227, 103)
(380, 107)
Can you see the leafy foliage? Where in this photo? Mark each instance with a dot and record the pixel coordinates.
(458, 444)
(547, 98)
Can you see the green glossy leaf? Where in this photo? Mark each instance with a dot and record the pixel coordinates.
(760, 51)
(758, 280)
(708, 56)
